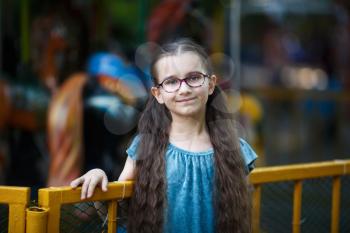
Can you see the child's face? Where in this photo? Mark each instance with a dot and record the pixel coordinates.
(186, 101)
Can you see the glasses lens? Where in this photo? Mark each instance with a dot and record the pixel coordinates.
(171, 84)
(195, 80)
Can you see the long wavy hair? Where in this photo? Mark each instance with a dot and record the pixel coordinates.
(231, 199)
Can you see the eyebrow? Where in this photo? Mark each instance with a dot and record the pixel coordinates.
(191, 72)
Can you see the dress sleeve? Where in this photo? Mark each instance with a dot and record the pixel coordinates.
(248, 154)
(132, 150)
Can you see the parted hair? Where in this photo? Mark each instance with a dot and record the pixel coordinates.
(231, 198)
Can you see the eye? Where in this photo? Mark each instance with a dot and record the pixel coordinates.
(192, 78)
(171, 82)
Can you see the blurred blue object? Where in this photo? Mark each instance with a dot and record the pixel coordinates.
(103, 63)
(136, 75)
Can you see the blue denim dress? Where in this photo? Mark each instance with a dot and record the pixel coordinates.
(190, 186)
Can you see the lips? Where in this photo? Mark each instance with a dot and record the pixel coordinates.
(185, 100)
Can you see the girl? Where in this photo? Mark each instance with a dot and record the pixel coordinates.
(188, 164)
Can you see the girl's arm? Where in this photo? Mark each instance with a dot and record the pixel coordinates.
(128, 172)
(97, 176)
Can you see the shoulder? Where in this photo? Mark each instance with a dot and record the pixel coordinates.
(248, 154)
(132, 149)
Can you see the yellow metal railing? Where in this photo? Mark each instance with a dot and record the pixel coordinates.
(17, 199)
(298, 173)
(46, 217)
(52, 199)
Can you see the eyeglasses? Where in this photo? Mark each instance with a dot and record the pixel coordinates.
(173, 84)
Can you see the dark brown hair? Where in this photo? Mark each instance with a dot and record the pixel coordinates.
(231, 198)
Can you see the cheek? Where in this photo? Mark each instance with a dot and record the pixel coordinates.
(168, 99)
(205, 93)
(203, 97)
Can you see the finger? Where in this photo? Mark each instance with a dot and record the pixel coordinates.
(91, 187)
(104, 184)
(84, 188)
(75, 183)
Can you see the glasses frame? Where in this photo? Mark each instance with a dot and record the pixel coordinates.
(181, 81)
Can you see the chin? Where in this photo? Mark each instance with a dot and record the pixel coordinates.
(188, 112)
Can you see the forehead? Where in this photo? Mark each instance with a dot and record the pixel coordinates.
(178, 65)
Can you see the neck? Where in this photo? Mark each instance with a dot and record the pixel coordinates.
(187, 127)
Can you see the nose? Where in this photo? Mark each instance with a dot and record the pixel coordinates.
(184, 87)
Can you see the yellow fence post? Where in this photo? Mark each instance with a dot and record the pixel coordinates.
(17, 198)
(256, 208)
(112, 217)
(50, 200)
(36, 220)
(297, 206)
(335, 205)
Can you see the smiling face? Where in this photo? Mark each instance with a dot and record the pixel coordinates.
(186, 101)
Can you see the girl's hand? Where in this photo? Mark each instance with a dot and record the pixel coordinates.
(89, 182)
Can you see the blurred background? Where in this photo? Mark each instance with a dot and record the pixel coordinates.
(74, 78)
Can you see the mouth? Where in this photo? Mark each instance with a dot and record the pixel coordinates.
(185, 100)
